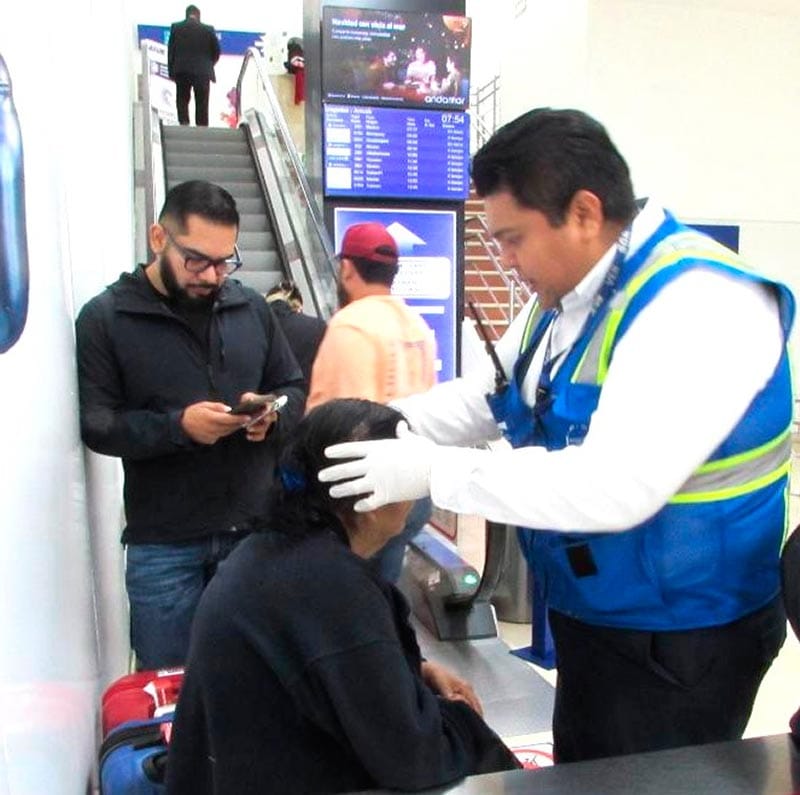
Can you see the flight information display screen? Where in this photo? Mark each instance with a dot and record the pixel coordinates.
(395, 153)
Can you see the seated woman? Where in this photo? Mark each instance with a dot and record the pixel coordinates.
(304, 674)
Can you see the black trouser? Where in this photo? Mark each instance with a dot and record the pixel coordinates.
(184, 85)
(626, 691)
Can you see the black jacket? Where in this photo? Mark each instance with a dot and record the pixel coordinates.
(303, 332)
(140, 365)
(193, 49)
(303, 676)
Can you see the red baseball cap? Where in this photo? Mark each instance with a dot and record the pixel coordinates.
(370, 241)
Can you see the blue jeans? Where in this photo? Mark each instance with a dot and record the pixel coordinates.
(164, 583)
(388, 562)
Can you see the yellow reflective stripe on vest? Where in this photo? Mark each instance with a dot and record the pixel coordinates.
(720, 479)
(530, 325)
(739, 474)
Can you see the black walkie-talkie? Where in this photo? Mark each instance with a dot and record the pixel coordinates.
(500, 380)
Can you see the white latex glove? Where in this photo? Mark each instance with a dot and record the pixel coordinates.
(388, 470)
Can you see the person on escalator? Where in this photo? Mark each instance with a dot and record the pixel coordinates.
(304, 674)
(303, 332)
(648, 406)
(192, 52)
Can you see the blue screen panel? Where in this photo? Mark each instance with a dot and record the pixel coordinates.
(426, 279)
(395, 153)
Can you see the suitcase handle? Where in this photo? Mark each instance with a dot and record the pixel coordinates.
(155, 767)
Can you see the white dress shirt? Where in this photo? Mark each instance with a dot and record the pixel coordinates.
(680, 380)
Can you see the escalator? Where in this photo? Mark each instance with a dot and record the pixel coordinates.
(224, 157)
(281, 233)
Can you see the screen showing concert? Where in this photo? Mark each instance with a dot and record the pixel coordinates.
(409, 59)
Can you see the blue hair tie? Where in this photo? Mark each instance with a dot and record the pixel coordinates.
(293, 480)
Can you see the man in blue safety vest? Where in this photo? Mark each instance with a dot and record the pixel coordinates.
(648, 408)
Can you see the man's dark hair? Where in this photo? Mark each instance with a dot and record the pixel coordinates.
(192, 11)
(374, 272)
(198, 197)
(545, 156)
(302, 505)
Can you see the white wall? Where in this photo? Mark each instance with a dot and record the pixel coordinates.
(701, 98)
(224, 14)
(490, 32)
(543, 54)
(77, 178)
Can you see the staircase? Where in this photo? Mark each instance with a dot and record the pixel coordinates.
(497, 294)
(223, 156)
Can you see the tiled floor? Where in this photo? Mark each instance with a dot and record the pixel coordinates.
(779, 695)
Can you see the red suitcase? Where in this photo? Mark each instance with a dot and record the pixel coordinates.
(140, 696)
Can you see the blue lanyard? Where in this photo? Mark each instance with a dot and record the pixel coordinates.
(600, 301)
(609, 285)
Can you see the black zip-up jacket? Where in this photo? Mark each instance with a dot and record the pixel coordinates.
(304, 676)
(140, 365)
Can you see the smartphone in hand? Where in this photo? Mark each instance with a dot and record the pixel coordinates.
(253, 406)
(264, 404)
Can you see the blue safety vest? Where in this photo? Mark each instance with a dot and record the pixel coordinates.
(710, 555)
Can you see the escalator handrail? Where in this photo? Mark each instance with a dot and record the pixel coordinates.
(496, 542)
(297, 250)
(252, 56)
(252, 59)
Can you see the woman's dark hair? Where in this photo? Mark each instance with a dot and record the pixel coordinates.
(302, 505)
(545, 156)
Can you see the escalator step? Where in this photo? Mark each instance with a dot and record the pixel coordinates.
(178, 132)
(252, 222)
(213, 173)
(213, 159)
(207, 148)
(255, 260)
(262, 240)
(250, 206)
(239, 190)
(260, 281)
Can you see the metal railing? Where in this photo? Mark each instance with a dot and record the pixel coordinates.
(149, 182)
(299, 227)
(514, 293)
(485, 112)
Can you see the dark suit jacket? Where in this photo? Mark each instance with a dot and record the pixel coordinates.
(193, 49)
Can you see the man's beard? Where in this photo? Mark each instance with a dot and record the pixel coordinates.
(179, 294)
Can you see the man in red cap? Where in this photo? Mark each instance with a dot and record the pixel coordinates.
(375, 347)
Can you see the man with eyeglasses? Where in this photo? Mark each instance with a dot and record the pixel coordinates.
(164, 354)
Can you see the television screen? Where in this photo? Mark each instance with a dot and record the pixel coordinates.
(395, 153)
(409, 59)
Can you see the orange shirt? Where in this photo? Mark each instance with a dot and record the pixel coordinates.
(375, 348)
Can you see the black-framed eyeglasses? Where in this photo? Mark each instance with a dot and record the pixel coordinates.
(194, 262)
